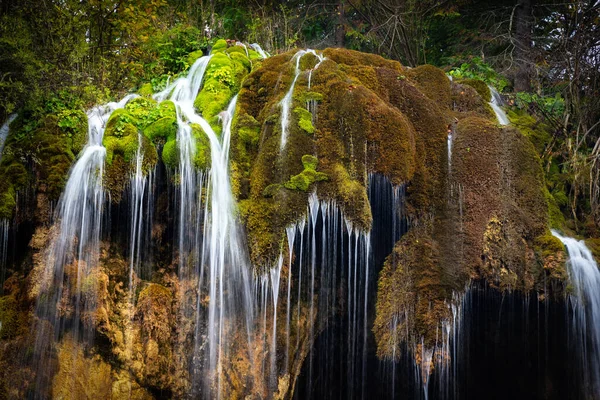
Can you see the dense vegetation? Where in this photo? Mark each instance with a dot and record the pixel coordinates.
(59, 57)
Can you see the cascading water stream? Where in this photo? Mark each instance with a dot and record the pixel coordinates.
(223, 259)
(496, 104)
(286, 102)
(584, 276)
(256, 47)
(75, 243)
(4, 132)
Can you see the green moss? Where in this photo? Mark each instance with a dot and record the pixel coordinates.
(271, 190)
(210, 102)
(248, 129)
(170, 154)
(142, 111)
(304, 119)
(308, 61)
(241, 58)
(480, 86)
(303, 96)
(122, 140)
(220, 45)
(433, 82)
(537, 132)
(146, 90)
(310, 162)
(8, 202)
(194, 56)
(557, 219)
(202, 159)
(548, 245)
(117, 121)
(298, 182)
(223, 78)
(162, 130)
(303, 180)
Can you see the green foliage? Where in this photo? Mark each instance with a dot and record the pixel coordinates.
(476, 68)
(548, 106)
(175, 48)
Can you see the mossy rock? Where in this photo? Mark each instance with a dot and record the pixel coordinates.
(352, 57)
(304, 120)
(146, 90)
(411, 283)
(536, 131)
(117, 122)
(123, 141)
(310, 162)
(162, 130)
(548, 244)
(122, 144)
(480, 86)
(10, 318)
(170, 154)
(303, 180)
(240, 57)
(202, 159)
(556, 217)
(223, 78)
(433, 82)
(220, 45)
(194, 56)
(308, 61)
(247, 129)
(468, 102)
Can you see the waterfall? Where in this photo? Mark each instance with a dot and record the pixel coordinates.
(222, 258)
(256, 47)
(449, 150)
(286, 102)
(75, 246)
(496, 104)
(585, 301)
(139, 191)
(4, 132)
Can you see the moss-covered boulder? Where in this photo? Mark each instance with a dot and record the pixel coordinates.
(124, 143)
(353, 118)
(222, 79)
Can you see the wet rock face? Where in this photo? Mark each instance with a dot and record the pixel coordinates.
(484, 215)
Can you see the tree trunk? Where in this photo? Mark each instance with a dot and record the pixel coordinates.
(340, 31)
(523, 45)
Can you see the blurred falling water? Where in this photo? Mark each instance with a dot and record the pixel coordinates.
(496, 104)
(585, 302)
(74, 249)
(286, 102)
(4, 130)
